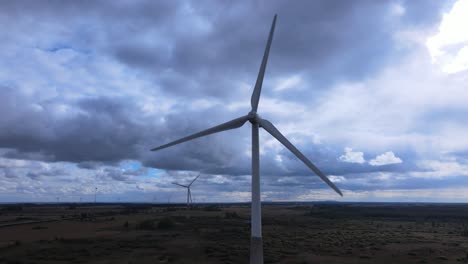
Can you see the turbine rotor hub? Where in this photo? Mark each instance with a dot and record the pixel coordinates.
(252, 116)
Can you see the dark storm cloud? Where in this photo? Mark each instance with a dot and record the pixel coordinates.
(90, 165)
(100, 129)
(191, 50)
(37, 155)
(217, 44)
(217, 153)
(110, 129)
(106, 130)
(235, 37)
(140, 12)
(323, 40)
(36, 175)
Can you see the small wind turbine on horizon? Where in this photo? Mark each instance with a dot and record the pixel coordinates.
(256, 243)
(95, 194)
(189, 193)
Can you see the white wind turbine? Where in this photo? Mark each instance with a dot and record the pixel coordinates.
(256, 244)
(189, 193)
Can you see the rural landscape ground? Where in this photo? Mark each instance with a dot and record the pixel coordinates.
(293, 233)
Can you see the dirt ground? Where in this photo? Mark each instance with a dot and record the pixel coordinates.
(292, 233)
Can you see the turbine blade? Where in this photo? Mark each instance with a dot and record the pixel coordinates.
(268, 126)
(175, 183)
(194, 179)
(235, 123)
(258, 85)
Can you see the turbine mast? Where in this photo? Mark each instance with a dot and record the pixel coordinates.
(256, 243)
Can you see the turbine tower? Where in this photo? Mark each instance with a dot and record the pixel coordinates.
(189, 193)
(256, 244)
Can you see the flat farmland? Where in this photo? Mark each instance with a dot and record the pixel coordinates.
(292, 233)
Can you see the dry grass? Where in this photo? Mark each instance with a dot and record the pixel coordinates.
(326, 233)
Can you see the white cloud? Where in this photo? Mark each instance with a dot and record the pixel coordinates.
(446, 167)
(288, 83)
(459, 62)
(395, 109)
(12, 163)
(457, 194)
(449, 47)
(397, 9)
(385, 159)
(334, 178)
(219, 179)
(352, 156)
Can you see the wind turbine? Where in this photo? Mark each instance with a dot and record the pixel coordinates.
(95, 193)
(256, 244)
(189, 194)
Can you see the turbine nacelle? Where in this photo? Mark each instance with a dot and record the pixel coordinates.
(253, 117)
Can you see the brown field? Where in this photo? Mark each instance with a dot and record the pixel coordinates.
(307, 233)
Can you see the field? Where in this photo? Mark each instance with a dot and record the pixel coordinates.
(292, 233)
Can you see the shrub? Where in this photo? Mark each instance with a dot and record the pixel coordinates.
(22, 218)
(166, 223)
(146, 225)
(12, 208)
(39, 227)
(465, 232)
(231, 215)
(212, 208)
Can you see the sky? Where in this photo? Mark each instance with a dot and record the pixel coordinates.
(372, 92)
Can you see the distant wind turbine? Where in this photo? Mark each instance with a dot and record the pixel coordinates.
(256, 244)
(189, 193)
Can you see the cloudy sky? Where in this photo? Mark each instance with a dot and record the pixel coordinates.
(374, 92)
